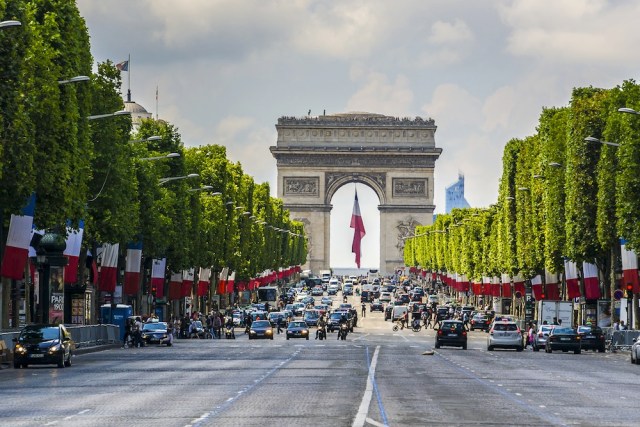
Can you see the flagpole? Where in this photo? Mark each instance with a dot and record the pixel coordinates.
(129, 79)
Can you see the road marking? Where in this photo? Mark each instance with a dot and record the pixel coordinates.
(374, 422)
(361, 416)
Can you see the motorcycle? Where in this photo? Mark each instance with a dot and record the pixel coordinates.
(229, 333)
(321, 334)
(343, 331)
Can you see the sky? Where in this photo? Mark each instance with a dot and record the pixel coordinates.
(226, 70)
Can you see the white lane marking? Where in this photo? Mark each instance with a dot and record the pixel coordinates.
(361, 416)
(374, 422)
(84, 411)
(50, 423)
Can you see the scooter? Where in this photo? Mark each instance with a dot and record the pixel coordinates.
(321, 334)
(229, 333)
(343, 331)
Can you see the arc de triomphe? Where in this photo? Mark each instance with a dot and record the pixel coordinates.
(395, 157)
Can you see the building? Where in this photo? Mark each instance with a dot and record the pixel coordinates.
(455, 195)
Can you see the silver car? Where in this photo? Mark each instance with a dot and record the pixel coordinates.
(635, 351)
(540, 337)
(505, 335)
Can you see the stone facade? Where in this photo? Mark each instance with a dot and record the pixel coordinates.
(395, 157)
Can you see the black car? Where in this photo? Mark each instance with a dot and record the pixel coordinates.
(43, 344)
(565, 339)
(591, 338)
(388, 310)
(298, 329)
(155, 333)
(403, 299)
(452, 333)
(376, 306)
(261, 329)
(479, 321)
(365, 296)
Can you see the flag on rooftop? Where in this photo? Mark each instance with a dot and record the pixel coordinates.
(123, 66)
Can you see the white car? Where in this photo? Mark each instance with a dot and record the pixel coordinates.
(385, 297)
(505, 334)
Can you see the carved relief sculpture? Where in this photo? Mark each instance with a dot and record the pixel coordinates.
(406, 228)
(409, 187)
(301, 186)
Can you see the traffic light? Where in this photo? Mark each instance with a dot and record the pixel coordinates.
(153, 290)
(629, 290)
(542, 295)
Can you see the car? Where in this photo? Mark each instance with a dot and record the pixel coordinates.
(505, 334)
(366, 296)
(403, 299)
(311, 317)
(451, 333)
(326, 300)
(332, 290)
(398, 311)
(388, 310)
(591, 338)
(155, 333)
(565, 339)
(298, 329)
(333, 323)
(274, 316)
(317, 291)
(258, 315)
(43, 344)
(376, 306)
(385, 296)
(478, 321)
(261, 329)
(322, 309)
(635, 351)
(540, 337)
(347, 290)
(433, 299)
(345, 306)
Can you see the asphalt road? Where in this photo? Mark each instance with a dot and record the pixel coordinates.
(377, 377)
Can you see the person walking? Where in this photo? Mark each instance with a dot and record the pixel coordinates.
(364, 310)
(217, 325)
(279, 324)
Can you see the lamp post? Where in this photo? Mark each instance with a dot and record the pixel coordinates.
(166, 156)
(162, 181)
(203, 188)
(592, 139)
(6, 24)
(148, 139)
(102, 116)
(75, 79)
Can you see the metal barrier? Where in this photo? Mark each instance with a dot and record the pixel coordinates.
(620, 340)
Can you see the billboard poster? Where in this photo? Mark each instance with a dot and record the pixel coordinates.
(56, 307)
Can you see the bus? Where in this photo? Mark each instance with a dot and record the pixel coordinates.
(270, 294)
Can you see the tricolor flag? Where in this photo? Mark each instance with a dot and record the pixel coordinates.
(571, 276)
(222, 281)
(506, 285)
(132, 269)
(175, 286)
(108, 267)
(591, 283)
(358, 229)
(230, 284)
(157, 276)
(16, 251)
(123, 66)
(536, 287)
(187, 282)
(495, 286)
(203, 281)
(552, 292)
(518, 285)
(629, 268)
(72, 252)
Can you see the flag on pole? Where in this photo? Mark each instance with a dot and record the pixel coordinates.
(123, 66)
(230, 282)
(175, 286)
(571, 276)
(157, 276)
(358, 229)
(108, 267)
(187, 282)
(18, 241)
(132, 269)
(629, 267)
(591, 283)
(222, 279)
(203, 281)
(72, 252)
(536, 287)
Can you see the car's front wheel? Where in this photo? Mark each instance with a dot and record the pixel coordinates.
(68, 362)
(61, 362)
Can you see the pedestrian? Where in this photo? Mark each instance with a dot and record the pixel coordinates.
(364, 310)
(217, 325)
(279, 324)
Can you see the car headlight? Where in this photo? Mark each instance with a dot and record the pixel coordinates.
(252, 332)
(55, 348)
(20, 349)
(268, 331)
(305, 331)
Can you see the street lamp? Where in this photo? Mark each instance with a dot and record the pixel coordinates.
(628, 111)
(175, 178)
(75, 79)
(592, 139)
(102, 116)
(203, 188)
(555, 165)
(151, 138)
(167, 156)
(510, 198)
(5, 24)
(523, 188)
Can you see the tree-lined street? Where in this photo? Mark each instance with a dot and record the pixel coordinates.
(297, 382)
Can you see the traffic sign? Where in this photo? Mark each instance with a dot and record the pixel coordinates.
(617, 294)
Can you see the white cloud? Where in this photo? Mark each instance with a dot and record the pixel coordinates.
(497, 108)
(450, 33)
(379, 95)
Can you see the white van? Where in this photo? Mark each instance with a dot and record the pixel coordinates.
(398, 311)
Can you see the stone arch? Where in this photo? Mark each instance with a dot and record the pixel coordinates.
(395, 157)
